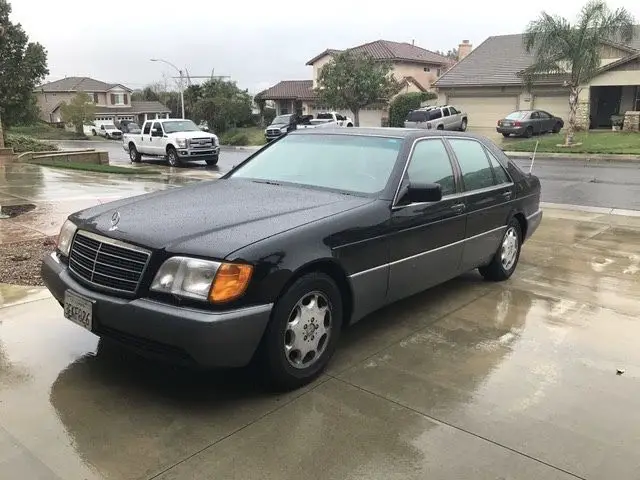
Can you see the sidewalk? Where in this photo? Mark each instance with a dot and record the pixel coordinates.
(576, 156)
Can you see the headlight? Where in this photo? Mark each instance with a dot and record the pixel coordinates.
(283, 129)
(65, 237)
(202, 279)
(181, 142)
(215, 140)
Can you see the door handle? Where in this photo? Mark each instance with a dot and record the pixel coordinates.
(507, 195)
(459, 208)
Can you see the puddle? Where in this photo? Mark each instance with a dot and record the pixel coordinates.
(11, 211)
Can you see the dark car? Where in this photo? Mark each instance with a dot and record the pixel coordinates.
(526, 123)
(309, 234)
(281, 125)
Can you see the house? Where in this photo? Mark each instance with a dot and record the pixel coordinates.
(414, 67)
(113, 101)
(488, 84)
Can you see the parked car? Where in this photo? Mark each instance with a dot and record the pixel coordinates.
(526, 123)
(129, 127)
(90, 130)
(309, 234)
(444, 117)
(177, 140)
(281, 125)
(109, 130)
(328, 120)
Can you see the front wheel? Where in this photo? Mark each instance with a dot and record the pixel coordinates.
(212, 161)
(134, 155)
(349, 124)
(505, 260)
(463, 125)
(172, 157)
(528, 132)
(303, 332)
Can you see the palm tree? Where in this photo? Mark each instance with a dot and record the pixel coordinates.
(573, 50)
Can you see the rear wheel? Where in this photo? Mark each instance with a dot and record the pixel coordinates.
(505, 135)
(528, 132)
(505, 260)
(303, 331)
(440, 127)
(556, 128)
(134, 155)
(463, 125)
(172, 157)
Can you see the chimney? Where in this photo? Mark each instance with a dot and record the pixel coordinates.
(464, 49)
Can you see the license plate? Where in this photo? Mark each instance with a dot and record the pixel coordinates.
(78, 309)
(506, 124)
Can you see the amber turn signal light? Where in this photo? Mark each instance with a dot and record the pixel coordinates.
(230, 282)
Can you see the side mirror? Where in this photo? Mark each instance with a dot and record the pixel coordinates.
(424, 192)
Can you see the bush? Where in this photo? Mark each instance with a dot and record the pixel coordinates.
(404, 103)
(21, 144)
(45, 131)
(269, 115)
(238, 139)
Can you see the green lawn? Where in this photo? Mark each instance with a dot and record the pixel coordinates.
(246, 136)
(92, 167)
(592, 142)
(43, 131)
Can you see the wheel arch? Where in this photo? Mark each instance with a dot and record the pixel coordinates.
(332, 269)
(169, 146)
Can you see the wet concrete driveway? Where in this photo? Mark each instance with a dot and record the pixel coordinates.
(470, 380)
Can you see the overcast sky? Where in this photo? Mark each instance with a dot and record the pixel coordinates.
(256, 43)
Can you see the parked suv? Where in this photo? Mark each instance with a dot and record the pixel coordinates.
(445, 117)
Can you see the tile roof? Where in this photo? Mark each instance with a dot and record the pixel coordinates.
(394, 51)
(289, 89)
(497, 61)
(74, 84)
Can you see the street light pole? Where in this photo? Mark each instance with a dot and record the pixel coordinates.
(181, 80)
(1, 131)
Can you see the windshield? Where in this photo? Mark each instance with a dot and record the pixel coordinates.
(281, 119)
(350, 163)
(133, 128)
(109, 127)
(517, 115)
(180, 126)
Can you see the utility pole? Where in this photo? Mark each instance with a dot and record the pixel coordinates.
(181, 80)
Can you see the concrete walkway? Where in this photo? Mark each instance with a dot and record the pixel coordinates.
(468, 380)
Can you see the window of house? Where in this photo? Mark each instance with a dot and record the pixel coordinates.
(119, 99)
(427, 69)
(474, 164)
(430, 163)
(95, 98)
(439, 71)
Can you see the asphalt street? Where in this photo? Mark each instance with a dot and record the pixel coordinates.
(564, 181)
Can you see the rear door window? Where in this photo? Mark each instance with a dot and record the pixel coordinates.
(498, 170)
(147, 128)
(474, 164)
(435, 114)
(445, 112)
(454, 111)
(430, 163)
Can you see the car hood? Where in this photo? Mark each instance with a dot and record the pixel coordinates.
(198, 134)
(277, 125)
(213, 219)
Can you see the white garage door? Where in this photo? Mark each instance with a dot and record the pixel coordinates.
(555, 105)
(484, 112)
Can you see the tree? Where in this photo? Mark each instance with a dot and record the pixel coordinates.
(573, 50)
(354, 81)
(79, 112)
(402, 104)
(452, 53)
(222, 105)
(23, 65)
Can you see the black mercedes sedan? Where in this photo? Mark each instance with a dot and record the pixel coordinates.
(308, 235)
(526, 123)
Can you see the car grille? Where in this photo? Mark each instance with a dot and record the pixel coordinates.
(201, 143)
(107, 264)
(274, 132)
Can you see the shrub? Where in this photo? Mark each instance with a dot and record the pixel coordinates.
(238, 139)
(21, 144)
(404, 103)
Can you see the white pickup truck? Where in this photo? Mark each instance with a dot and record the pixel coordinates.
(328, 120)
(176, 139)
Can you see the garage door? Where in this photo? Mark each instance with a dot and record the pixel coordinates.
(555, 105)
(484, 112)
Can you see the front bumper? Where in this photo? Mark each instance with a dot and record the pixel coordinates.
(209, 153)
(178, 334)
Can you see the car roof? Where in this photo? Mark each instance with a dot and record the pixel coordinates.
(392, 132)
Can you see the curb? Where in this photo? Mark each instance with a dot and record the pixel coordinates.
(587, 209)
(576, 156)
(240, 149)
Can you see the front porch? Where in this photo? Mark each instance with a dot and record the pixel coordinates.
(610, 101)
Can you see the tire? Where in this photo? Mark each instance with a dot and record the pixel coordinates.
(213, 161)
(284, 367)
(556, 128)
(463, 125)
(505, 260)
(506, 135)
(349, 124)
(440, 127)
(172, 157)
(94, 132)
(134, 155)
(528, 132)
